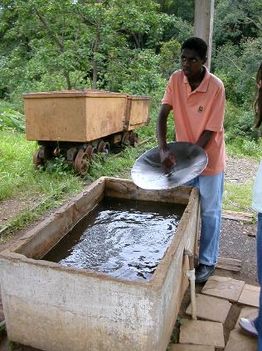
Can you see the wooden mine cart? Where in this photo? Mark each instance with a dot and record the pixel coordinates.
(76, 123)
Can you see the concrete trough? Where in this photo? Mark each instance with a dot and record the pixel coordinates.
(56, 308)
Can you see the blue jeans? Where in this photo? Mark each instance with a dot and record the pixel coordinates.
(211, 193)
(258, 320)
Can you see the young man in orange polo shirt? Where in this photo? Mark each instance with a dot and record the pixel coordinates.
(197, 99)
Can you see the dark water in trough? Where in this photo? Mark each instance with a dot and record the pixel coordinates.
(123, 238)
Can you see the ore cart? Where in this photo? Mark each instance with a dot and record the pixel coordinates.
(76, 124)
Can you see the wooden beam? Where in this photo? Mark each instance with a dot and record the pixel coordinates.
(203, 24)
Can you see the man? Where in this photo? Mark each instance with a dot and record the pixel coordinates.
(197, 99)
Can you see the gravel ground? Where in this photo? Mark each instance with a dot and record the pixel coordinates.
(240, 170)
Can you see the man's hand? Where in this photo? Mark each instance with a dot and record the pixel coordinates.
(168, 160)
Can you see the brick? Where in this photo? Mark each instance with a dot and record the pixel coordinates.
(202, 333)
(211, 308)
(241, 342)
(250, 295)
(188, 347)
(224, 287)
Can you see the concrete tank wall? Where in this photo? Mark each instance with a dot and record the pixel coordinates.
(57, 308)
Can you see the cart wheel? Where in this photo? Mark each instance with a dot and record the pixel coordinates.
(39, 157)
(82, 160)
(106, 147)
(100, 146)
(133, 138)
(103, 147)
(125, 141)
(71, 154)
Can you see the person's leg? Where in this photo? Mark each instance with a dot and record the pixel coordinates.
(211, 192)
(258, 320)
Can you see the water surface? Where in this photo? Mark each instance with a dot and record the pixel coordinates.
(123, 238)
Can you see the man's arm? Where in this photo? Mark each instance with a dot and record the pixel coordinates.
(204, 138)
(162, 126)
(167, 158)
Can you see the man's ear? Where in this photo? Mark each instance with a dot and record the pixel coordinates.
(204, 60)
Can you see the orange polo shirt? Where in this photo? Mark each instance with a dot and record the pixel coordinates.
(199, 110)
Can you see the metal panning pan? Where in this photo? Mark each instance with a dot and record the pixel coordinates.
(147, 172)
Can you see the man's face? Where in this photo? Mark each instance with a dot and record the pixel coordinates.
(191, 63)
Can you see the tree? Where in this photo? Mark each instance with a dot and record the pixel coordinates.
(237, 20)
(65, 44)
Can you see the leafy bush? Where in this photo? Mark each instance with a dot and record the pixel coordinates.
(231, 116)
(239, 123)
(251, 148)
(10, 118)
(137, 72)
(236, 65)
(169, 53)
(241, 147)
(245, 124)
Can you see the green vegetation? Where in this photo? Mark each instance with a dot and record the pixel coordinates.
(117, 45)
(41, 190)
(245, 148)
(18, 175)
(9, 118)
(237, 197)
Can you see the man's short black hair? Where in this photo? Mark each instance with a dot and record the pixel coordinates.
(197, 44)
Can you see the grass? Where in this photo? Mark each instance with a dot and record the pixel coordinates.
(245, 148)
(238, 197)
(20, 181)
(51, 187)
(18, 176)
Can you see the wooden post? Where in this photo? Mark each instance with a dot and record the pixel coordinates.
(203, 24)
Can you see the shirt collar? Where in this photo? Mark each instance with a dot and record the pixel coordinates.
(204, 84)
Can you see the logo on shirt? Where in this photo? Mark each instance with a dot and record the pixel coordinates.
(200, 109)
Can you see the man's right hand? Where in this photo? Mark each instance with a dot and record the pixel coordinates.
(168, 160)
